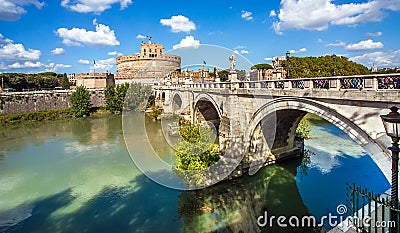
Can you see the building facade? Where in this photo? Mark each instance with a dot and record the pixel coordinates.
(189, 76)
(94, 80)
(277, 72)
(149, 65)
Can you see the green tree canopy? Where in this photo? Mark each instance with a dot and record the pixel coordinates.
(311, 67)
(262, 66)
(80, 101)
(64, 81)
(195, 152)
(126, 96)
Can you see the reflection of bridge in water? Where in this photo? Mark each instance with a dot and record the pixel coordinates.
(258, 119)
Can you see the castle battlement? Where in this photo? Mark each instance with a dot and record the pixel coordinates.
(152, 62)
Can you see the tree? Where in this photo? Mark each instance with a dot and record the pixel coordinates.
(110, 98)
(80, 101)
(49, 82)
(155, 112)
(195, 152)
(64, 82)
(262, 66)
(311, 67)
(18, 82)
(223, 75)
(115, 97)
(303, 130)
(126, 97)
(135, 95)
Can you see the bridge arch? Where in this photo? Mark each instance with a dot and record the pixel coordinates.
(207, 109)
(163, 95)
(298, 107)
(177, 102)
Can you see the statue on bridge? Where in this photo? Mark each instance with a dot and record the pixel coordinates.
(233, 62)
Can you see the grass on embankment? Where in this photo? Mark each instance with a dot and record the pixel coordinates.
(12, 119)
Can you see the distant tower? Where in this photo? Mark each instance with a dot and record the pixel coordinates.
(374, 68)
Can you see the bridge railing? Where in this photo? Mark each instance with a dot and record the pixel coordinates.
(356, 82)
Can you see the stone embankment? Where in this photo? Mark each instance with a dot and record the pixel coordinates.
(18, 102)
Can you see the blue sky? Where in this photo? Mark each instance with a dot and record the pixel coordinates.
(67, 35)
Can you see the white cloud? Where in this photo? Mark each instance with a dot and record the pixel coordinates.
(84, 62)
(247, 15)
(104, 65)
(139, 36)
(17, 52)
(26, 64)
(37, 65)
(371, 34)
(268, 58)
(114, 53)
(5, 40)
(243, 51)
(103, 36)
(179, 23)
(272, 13)
(338, 43)
(364, 45)
(380, 59)
(94, 6)
(11, 10)
(320, 14)
(188, 41)
(302, 50)
(58, 51)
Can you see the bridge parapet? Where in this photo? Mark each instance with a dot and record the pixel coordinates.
(378, 88)
(363, 82)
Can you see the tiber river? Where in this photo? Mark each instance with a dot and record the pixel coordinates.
(77, 176)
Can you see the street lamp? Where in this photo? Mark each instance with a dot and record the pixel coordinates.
(391, 122)
(288, 64)
(334, 64)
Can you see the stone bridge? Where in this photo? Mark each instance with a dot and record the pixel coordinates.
(259, 118)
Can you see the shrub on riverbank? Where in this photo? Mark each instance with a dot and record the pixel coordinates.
(303, 130)
(47, 115)
(35, 116)
(196, 151)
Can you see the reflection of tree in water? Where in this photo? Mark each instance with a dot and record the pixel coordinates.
(156, 137)
(305, 162)
(234, 206)
(97, 130)
(81, 129)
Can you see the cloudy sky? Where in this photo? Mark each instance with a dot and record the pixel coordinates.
(68, 35)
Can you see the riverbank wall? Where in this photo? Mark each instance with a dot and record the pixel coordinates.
(19, 102)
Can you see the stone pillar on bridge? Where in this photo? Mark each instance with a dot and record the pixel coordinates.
(233, 78)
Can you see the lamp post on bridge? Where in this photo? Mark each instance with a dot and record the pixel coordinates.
(334, 64)
(391, 122)
(288, 64)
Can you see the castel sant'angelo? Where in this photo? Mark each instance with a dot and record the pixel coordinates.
(151, 63)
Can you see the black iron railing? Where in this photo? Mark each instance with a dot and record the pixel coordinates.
(371, 212)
